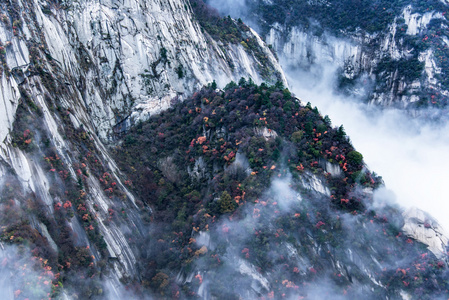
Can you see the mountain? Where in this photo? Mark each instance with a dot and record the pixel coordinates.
(76, 75)
(136, 161)
(392, 53)
(260, 197)
(121, 62)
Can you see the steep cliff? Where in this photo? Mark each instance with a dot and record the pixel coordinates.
(242, 187)
(119, 61)
(105, 193)
(77, 74)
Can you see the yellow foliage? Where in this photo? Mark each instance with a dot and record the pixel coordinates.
(201, 251)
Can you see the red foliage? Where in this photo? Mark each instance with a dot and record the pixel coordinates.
(319, 224)
(246, 252)
(17, 293)
(63, 174)
(200, 278)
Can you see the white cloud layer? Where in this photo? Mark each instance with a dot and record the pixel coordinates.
(410, 154)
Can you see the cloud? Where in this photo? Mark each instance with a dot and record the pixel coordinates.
(23, 276)
(282, 193)
(411, 154)
(234, 8)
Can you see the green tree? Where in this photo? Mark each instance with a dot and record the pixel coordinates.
(287, 94)
(180, 71)
(341, 133)
(231, 85)
(164, 53)
(276, 154)
(226, 203)
(297, 136)
(321, 128)
(308, 128)
(355, 157)
(288, 106)
(279, 85)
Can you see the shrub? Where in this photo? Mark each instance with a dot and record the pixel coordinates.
(297, 136)
(355, 157)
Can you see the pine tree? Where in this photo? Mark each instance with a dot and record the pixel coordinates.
(226, 203)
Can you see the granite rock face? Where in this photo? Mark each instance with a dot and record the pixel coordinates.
(75, 75)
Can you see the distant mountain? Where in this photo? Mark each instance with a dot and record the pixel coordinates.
(394, 53)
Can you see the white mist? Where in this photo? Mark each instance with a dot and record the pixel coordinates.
(412, 156)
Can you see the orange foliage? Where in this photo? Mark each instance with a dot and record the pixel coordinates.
(200, 278)
(201, 140)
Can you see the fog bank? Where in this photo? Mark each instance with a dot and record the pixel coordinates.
(410, 153)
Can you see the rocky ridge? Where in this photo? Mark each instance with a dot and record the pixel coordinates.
(76, 76)
(399, 61)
